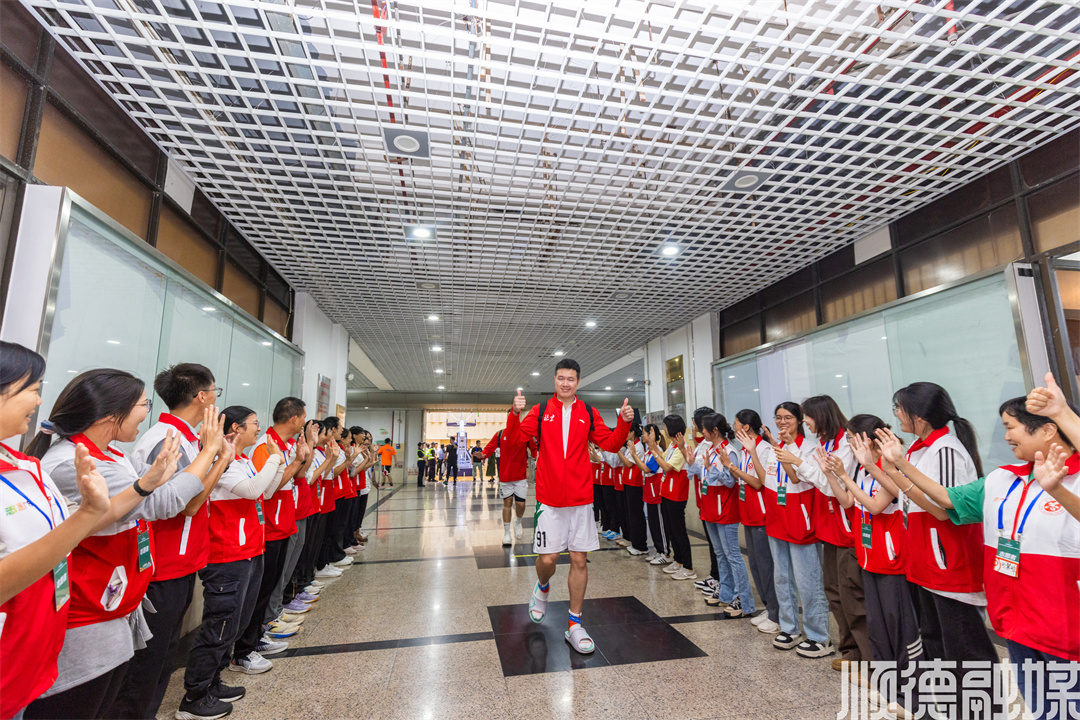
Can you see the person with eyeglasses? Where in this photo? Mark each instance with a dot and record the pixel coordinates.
(111, 570)
(181, 543)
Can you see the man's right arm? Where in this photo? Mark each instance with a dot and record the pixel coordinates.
(521, 431)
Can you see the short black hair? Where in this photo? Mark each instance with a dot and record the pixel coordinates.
(20, 368)
(674, 425)
(288, 408)
(332, 422)
(386, 441)
(568, 364)
(178, 385)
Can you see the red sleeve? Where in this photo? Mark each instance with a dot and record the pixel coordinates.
(492, 444)
(522, 431)
(607, 439)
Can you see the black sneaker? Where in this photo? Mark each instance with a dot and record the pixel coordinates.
(785, 641)
(734, 610)
(814, 649)
(207, 707)
(227, 693)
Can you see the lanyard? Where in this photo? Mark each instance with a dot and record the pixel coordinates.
(870, 492)
(1018, 530)
(48, 516)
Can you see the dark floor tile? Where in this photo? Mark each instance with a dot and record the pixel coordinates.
(641, 642)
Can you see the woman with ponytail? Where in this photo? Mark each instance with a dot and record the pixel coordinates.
(943, 561)
(751, 475)
(110, 570)
(39, 531)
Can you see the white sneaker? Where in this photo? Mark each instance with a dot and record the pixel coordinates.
(518, 530)
(759, 618)
(328, 572)
(507, 540)
(349, 551)
(269, 646)
(623, 542)
(768, 627)
(343, 562)
(253, 664)
(660, 560)
(684, 574)
(634, 551)
(673, 568)
(318, 583)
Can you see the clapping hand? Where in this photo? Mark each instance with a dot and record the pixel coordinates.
(273, 448)
(93, 489)
(1050, 471)
(228, 448)
(862, 449)
(164, 466)
(212, 429)
(744, 439)
(822, 458)
(891, 447)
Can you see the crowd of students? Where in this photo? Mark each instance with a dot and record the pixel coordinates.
(909, 549)
(99, 549)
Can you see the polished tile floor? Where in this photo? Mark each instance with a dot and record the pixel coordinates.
(431, 622)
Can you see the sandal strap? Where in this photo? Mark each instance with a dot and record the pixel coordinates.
(579, 634)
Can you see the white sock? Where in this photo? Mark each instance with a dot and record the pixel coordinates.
(506, 527)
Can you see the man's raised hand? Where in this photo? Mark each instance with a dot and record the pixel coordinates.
(626, 412)
(519, 402)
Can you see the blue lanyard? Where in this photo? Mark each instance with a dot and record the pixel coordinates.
(1019, 532)
(870, 492)
(47, 516)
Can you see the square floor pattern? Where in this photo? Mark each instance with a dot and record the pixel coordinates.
(623, 629)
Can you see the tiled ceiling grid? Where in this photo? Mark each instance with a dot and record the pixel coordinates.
(617, 381)
(570, 139)
(358, 381)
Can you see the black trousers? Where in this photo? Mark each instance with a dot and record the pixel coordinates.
(451, 470)
(230, 591)
(607, 514)
(331, 550)
(309, 556)
(144, 685)
(421, 470)
(431, 469)
(635, 517)
(597, 502)
(90, 700)
(273, 564)
(361, 512)
(714, 571)
(352, 510)
(620, 513)
(675, 524)
(660, 541)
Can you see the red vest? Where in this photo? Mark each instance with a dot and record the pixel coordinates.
(717, 503)
(676, 484)
(235, 530)
(280, 509)
(793, 521)
(887, 536)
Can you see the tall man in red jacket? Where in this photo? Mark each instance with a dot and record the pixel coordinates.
(564, 426)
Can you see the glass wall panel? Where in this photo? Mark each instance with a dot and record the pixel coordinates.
(286, 378)
(1055, 214)
(108, 313)
(251, 365)
(195, 329)
(963, 338)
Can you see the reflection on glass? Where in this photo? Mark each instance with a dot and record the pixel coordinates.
(250, 370)
(1068, 282)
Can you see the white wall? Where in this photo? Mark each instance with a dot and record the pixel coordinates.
(326, 348)
(696, 343)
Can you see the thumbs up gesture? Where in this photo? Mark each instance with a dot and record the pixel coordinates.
(519, 402)
(626, 412)
(1047, 401)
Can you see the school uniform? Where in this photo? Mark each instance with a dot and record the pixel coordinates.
(752, 518)
(696, 470)
(634, 484)
(718, 504)
(181, 548)
(674, 492)
(834, 527)
(891, 624)
(309, 507)
(32, 624)
(943, 561)
(333, 491)
(233, 576)
(1031, 571)
(109, 574)
(651, 495)
(610, 482)
(789, 506)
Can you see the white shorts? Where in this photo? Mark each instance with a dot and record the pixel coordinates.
(566, 528)
(519, 488)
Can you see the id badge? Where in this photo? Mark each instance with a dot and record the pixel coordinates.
(906, 510)
(61, 588)
(742, 492)
(145, 559)
(1007, 560)
(781, 495)
(867, 535)
(259, 511)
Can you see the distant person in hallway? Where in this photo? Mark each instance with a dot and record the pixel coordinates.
(513, 487)
(451, 462)
(386, 459)
(421, 464)
(477, 453)
(563, 427)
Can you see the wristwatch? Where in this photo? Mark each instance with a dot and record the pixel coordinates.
(138, 489)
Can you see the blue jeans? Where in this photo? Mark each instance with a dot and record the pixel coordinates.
(1038, 696)
(797, 576)
(734, 580)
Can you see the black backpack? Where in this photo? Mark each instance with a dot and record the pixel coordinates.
(540, 421)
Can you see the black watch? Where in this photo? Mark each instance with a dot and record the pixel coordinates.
(138, 489)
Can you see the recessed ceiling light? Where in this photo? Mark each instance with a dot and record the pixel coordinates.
(755, 389)
(267, 343)
(621, 296)
(745, 181)
(406, 143)
(590, 323)
(410, 143)
(520, 389)
(536, 374)
(422, 233)
(365, 407)
(73, 371)
(629, 379)
(558, 353)
(730, 377)
(113, 342)
(246, 384)
(438, 371)
(208, 309)
(441, 387)
(436, 348)
(840, 375)
(428, 286)
(669, 250)
(608, 387)
(433, 317)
